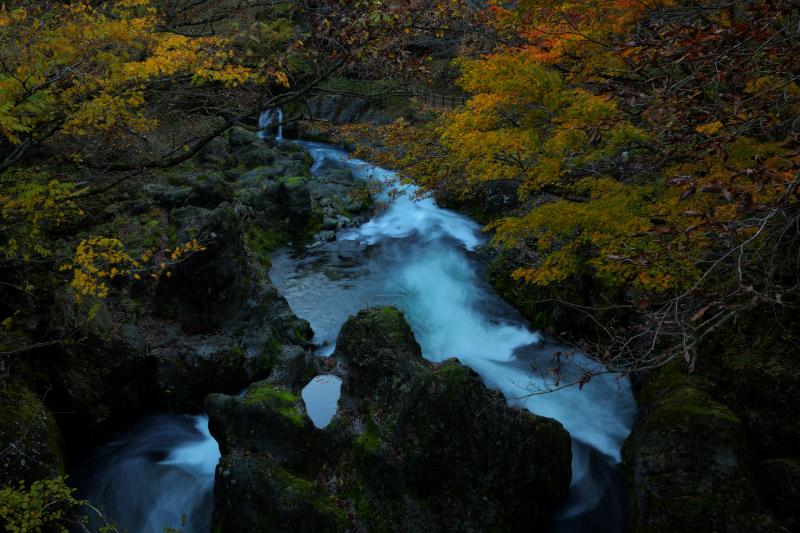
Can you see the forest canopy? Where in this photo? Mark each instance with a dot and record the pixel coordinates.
(652, 148)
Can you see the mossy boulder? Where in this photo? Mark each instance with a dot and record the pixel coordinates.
(239, 137)
(30, 441)
(414, 446)
(688, 462)
(458, 440)
(267, 418)
(254, 493)
(253, 155)
(379, 350)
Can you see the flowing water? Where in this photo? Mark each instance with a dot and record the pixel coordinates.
(271, 118)
(158, 475)
(420, 258)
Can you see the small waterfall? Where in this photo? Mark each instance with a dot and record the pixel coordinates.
(270, 118)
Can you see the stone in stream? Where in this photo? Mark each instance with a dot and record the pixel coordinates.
(414, 446)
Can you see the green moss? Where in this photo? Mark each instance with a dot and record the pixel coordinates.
(370, 441)
(293, 181)
(293, 482)
(281, 401)
(675, 395)
(309, 491)
(454, 372)
(262, 242)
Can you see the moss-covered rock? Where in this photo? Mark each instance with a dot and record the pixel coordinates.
(688, 462)
(253, 493)
(267, 419)
(414, 446)
(379, 350)
(30, 441)
(460, 442)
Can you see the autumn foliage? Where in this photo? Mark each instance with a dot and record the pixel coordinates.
(653, 146)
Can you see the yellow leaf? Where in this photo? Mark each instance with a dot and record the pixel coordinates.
(709, 129)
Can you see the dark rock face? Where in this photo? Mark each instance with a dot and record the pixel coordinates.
(414, 447)
(718, 450)
(215, 324)
(689, 464)
(780, 487)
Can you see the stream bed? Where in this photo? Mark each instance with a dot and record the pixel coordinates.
(422, 259)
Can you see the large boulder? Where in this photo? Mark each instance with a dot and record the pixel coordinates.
(414, 446)
(380, 352)
(688, 462)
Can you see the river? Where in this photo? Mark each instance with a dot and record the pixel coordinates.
(422, 259)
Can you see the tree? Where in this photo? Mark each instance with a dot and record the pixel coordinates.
(654, 148)
(93, 94)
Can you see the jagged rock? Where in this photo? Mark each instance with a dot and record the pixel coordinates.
(414, 447)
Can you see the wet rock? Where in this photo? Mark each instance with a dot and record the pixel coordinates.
(414, 446)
